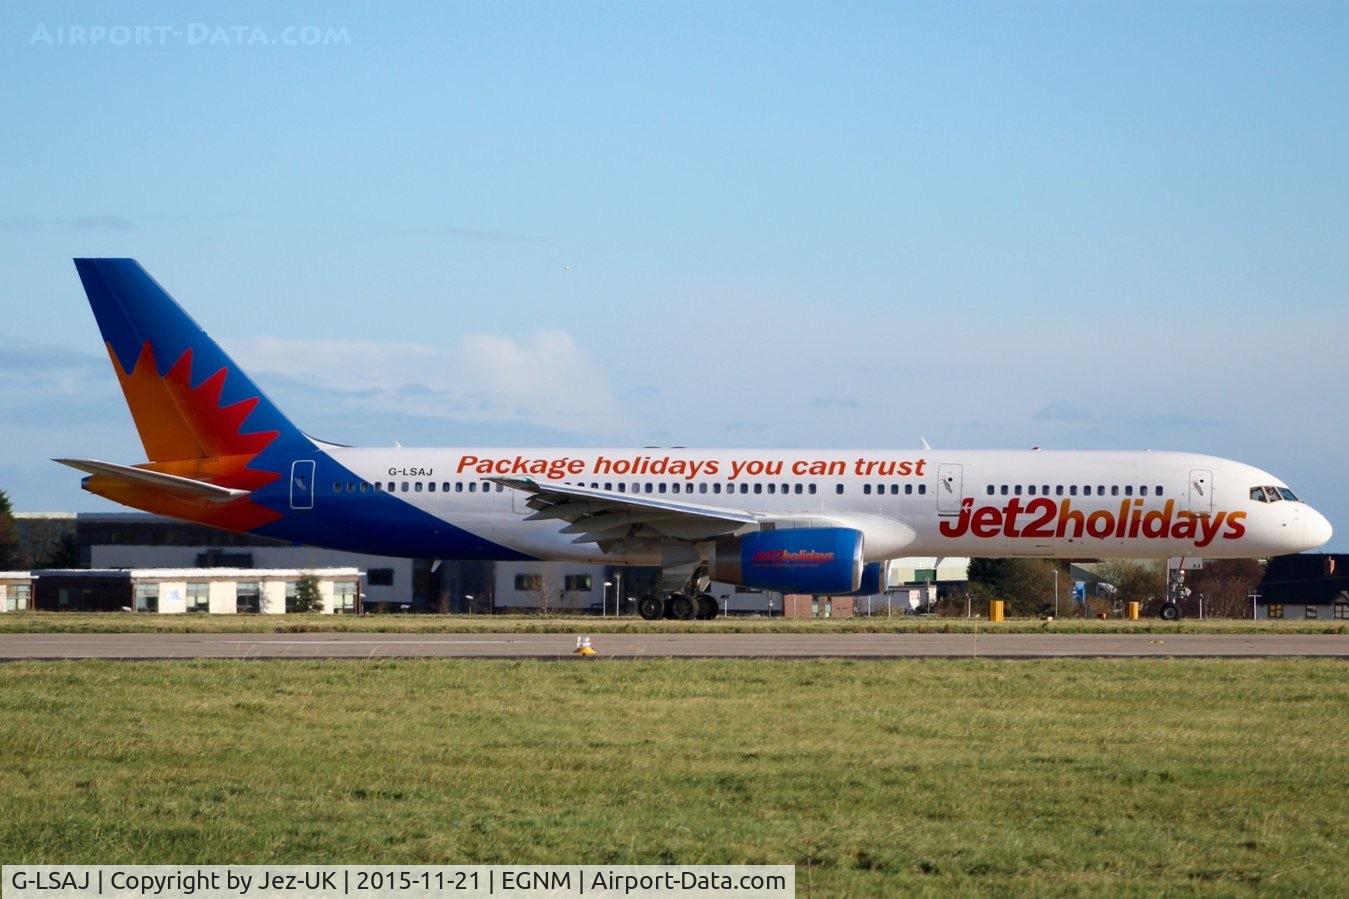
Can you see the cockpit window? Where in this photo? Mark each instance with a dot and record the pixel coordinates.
(1287, 494)
(1272, 495)
(1258, 494)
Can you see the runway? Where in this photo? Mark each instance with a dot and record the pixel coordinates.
(15, 647)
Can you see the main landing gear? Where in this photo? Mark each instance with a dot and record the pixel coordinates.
(679, 606)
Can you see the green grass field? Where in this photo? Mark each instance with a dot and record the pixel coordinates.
(122, 622)
(1135, 777)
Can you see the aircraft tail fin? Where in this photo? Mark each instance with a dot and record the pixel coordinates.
(189, 399)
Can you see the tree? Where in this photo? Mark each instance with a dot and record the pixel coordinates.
(64, 553)
(1134, 581)
(1226, 585)
(11, 557)
(308, 596)
(1024, 584)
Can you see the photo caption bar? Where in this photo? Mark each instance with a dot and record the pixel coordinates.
(396, 881)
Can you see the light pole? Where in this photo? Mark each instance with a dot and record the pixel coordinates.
(1056, 591)
(604, 600)
(468, 603)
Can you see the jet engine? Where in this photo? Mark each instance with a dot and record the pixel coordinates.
(816, 561)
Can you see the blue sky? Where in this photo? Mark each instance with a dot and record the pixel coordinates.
(776, 224)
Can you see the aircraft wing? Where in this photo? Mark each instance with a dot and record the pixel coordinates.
(169, 483)
(607, 518)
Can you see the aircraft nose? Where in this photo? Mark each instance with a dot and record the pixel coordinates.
(1316, 530)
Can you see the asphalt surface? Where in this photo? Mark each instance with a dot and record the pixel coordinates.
(629, 646)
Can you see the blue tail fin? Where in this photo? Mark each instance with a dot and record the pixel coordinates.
(188, 398)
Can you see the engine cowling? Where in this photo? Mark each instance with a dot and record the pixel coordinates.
(873, 580)
(817, 561)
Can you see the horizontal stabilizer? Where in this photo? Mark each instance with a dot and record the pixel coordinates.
(170, 483)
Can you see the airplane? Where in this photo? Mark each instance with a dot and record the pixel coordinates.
(811, 521)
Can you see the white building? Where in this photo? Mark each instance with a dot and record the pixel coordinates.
(217, 591)
(554, 586)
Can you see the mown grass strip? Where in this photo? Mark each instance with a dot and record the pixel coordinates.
(1133, 777)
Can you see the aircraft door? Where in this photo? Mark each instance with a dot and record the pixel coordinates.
(950, 488)
(1201, 491)
(302, 484)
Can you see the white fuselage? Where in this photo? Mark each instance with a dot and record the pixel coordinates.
(926, 502)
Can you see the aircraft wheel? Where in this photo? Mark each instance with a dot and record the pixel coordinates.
(1170, 612)
(682, 607)
(707, 607)
(651, 608)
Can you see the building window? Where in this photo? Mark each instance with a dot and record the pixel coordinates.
(528, 583)
(344, 597)
(147, 597)
(1275, 610)
(16, 598)
(576, 582)
(1341, 611)
(1310, 611)
(292, 595)
(198, 596)
(380, 577)
(925, 576)
(247, 597)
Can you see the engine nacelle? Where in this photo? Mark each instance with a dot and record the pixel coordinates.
(817, 561)
(873, 580)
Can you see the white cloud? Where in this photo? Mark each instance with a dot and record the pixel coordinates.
(543, 379)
